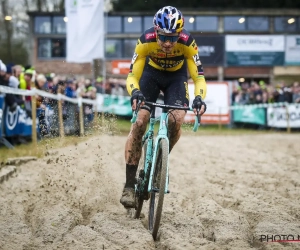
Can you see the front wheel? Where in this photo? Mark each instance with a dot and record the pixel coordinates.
(158, 187)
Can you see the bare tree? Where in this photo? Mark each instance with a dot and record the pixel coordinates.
(8, 30)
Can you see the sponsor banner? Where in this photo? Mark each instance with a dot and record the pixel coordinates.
(17, 123)
(211, 49)
(120, 67)
(217, 101)
(118, 105)
(255, 50)
(85, 30)
(250, 115)
(292, 50)
(277, 116)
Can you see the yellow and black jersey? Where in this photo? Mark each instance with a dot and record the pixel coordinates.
(185, 49)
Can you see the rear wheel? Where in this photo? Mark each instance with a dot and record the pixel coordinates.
(139, 195)
(158, 187)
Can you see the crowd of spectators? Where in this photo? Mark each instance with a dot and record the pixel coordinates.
(262, 93)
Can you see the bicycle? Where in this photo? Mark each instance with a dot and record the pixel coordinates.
(153, 171)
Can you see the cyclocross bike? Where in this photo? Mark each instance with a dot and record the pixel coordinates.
(153, 171)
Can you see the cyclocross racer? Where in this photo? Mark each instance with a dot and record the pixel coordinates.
(160, 61)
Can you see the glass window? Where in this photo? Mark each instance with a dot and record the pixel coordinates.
(148, 22)
(58, 47)
(114, 24)
(257, 23)
(113, 48)
(189, 22)
(206, 23)
(52, 48)
(42, 24)
(44, 48)
(132, 24)
(285, 24)
(59, 25)
(129, 46)
(234, 23)
(298, 23)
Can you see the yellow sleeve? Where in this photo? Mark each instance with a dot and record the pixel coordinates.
(137, 66)
(195, 69)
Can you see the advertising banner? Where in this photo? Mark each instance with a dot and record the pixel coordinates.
(85, 30)
(255, 50)
(17, 123)
(292, 50)
(211, 49)
(250, 115)
(277, 116)
(120, 67)
(217, 101)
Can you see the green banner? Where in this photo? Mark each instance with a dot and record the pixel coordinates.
(250, 115)
(255, 58)
(119, 105)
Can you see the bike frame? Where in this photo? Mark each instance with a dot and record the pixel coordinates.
(152, 152)
(162, 133)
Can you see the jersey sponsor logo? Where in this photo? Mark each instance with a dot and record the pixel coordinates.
(166, 63)
(183, 36)
(135, 55)
(150, 35)
(197, 60)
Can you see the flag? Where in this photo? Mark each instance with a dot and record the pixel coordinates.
(85, 30)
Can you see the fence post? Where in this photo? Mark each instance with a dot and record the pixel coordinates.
(60, 114)
(288, 128)
(33, 116)
(96, 122)
(81, 122)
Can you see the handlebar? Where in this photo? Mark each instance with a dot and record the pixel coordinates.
(164, 106)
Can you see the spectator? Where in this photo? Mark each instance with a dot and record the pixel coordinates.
(296, 92)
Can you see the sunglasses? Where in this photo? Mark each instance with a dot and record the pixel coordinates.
(165, 38)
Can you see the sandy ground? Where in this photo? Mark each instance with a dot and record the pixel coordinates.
(226, 191)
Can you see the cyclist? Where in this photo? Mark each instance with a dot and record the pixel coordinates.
(160, 61)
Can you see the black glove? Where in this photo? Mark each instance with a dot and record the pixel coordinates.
(137, 95)
(197, 103)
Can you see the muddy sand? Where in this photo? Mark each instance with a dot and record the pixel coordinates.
(227, 192)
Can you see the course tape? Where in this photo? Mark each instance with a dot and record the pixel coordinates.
(34, 91)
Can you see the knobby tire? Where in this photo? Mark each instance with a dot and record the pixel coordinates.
(160, 171)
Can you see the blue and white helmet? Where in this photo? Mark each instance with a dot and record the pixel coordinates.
(168, 20)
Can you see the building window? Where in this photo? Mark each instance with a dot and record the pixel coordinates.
(59, 25)
(114, 24)
(189, 23)
(148, 22)
(42, 24)
(52, 48)
(206, 23)
(113, 48)
(132, 24)
(285, 24)
(129, 46)
(234, 23)
(258, 23)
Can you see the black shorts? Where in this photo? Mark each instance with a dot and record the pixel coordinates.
(173, 85)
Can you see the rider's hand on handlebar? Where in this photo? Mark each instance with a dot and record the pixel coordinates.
(136, 96)
(199, 104)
